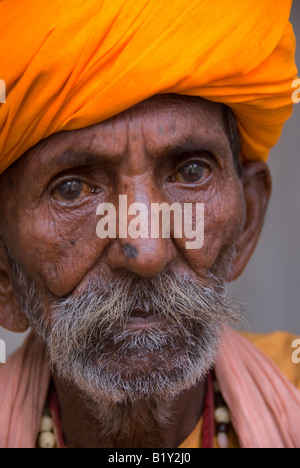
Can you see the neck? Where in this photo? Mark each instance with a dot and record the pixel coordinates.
(149, 423)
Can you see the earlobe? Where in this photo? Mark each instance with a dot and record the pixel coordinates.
(257, 185)
(11, 315)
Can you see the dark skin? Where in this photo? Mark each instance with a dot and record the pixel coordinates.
(166, 149)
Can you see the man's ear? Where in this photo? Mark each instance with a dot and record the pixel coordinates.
(11, 315)
(257, 184)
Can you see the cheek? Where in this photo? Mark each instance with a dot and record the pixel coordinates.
(224, 219)
(59, 250)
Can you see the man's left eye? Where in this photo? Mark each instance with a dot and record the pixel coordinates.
(71, 190)
(192, 172)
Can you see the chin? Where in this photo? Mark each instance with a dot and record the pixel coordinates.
(144, 369)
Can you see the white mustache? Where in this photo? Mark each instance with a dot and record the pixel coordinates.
(183, 301)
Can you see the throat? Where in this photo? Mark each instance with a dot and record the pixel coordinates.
(148, 423)
(136, 425)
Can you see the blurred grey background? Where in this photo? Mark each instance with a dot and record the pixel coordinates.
(270, 286)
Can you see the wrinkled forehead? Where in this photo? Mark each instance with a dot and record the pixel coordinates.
(162, 121)
(177, 103)
(177, 109)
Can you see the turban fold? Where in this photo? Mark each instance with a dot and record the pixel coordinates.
(71, 64)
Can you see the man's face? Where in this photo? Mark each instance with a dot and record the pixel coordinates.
(126, 308)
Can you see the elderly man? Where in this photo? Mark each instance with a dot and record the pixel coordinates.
(130, 344)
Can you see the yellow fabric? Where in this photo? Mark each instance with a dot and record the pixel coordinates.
(194, 440)
(278, 347)
(70, 64)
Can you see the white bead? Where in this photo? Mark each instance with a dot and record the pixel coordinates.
(222, 415)
(47, 440)
(222, 440)
(46, 424)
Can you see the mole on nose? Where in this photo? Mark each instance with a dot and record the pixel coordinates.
(130, 251)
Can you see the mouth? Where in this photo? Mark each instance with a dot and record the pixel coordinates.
(139, 319)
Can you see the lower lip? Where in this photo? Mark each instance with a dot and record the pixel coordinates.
(138, 323)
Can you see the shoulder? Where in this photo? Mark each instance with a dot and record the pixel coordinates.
(283, 349)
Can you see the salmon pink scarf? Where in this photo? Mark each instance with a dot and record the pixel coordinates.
(265, 407)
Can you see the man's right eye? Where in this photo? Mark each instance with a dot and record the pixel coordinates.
(71, 190)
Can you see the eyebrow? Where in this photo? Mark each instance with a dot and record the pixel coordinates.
(188, 146)
(74, 158)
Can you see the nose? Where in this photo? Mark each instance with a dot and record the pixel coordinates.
(144, 257)
(141, 252)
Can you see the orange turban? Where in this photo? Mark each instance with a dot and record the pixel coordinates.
(71, 64)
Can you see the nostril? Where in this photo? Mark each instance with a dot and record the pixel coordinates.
(130, 251)
(144, 257)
